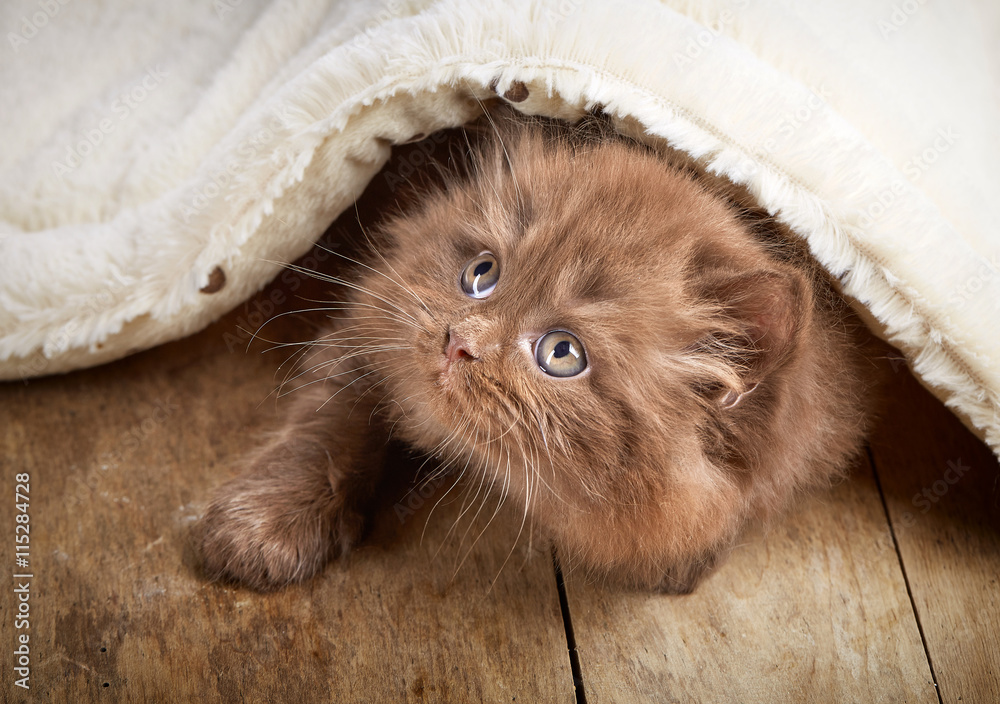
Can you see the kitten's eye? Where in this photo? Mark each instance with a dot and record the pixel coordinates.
(559, 353)
(481, 275)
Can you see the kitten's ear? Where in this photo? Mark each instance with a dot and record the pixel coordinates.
(764, 313)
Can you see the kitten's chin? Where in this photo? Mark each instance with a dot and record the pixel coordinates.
(431, 408)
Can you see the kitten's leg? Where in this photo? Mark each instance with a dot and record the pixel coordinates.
(302, 498)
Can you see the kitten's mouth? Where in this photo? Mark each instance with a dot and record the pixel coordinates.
(451, 377)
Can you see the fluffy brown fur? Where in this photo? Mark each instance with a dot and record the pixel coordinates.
(723, 375)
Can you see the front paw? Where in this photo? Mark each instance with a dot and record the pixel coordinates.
(260, 534)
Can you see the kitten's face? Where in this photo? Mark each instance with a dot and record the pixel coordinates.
(551, 323)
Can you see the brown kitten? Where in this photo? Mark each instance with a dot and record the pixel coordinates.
(603, 334)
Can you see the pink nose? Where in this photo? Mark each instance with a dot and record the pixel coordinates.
(457, 348)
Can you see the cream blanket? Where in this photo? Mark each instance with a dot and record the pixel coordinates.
(159, 158)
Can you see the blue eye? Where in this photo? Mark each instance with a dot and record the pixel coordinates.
(559, 353)
(480, 276)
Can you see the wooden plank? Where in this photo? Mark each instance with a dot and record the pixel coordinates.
(121, 461)
(816, 610)
(942, 488)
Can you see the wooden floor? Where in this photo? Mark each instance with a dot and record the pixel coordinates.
(882, 589)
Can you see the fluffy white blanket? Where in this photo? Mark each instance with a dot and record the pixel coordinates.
(159, 158)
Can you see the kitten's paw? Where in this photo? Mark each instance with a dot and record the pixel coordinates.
(261, 535)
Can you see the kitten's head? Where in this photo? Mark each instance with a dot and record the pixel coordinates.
(603, 339)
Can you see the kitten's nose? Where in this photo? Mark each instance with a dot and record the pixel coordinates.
(458, 348)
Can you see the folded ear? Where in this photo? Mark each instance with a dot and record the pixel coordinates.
(760, 318)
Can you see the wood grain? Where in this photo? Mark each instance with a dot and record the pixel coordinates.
(942, 488)
(122, 459)
(814, 611)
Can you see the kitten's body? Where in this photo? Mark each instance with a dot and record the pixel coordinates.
(721, 377)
